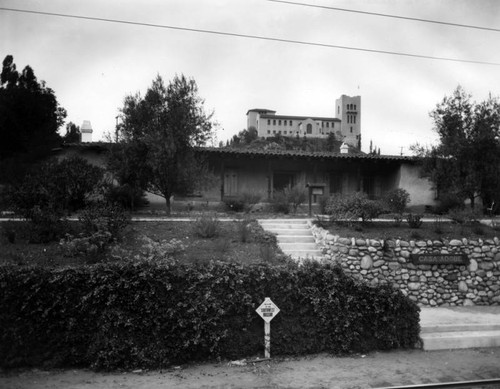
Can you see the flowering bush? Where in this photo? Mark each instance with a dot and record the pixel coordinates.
(352, 207)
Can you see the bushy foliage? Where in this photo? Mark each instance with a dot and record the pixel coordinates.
(147, 315)
(160, 251)
(29, 120)
(352, 207)
(288, 199)
(242, 203)
(102, 224)
(414, 220)
(127, 196)
(60, 186)
(207, 226)
(464, 215)
(279, 203)
(397, 200)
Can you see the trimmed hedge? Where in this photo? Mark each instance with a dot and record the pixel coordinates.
(131, 315)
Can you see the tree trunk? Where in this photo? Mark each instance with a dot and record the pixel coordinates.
(167, 203)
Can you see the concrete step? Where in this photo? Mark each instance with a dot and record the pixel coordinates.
(305, 254)
(459, 327)
(280, 221)
(283, 226)
(298, 246)
(460, 339)
(296, 239)
(287, 231)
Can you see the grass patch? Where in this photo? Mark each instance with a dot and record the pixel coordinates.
(428, 230)
(229, 245)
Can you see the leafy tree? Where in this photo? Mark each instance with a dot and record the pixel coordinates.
(29, 120)
(73, 134)
(56, 186)
(466, 162)
(163, 128)
(245, 137)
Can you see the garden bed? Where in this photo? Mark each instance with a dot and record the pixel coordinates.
(234, 243)
(433, 230)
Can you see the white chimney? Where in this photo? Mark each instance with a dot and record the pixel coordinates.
(344, 149)
(86, 131)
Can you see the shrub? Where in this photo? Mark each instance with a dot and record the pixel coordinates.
(61, 186)
(160, 251)
(280, 203)
(244, 230)
(139, 314)
(438, 225)
(102, 216)
(296, 197)
(288, 199)
(207, 226)
(414, 221)
(102, 225)
(464, 216)
(352, 207)
(243, 202)
(234, 204)
(45, 225)
(126, 196)
(447, 202)
(396, 202)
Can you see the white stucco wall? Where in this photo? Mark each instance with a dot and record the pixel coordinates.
(419, 188)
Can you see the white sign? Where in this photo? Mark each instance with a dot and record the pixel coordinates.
(267, 310)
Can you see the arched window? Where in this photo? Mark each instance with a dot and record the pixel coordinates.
(309, 128)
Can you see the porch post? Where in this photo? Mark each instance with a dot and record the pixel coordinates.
(222, 167)
(269, 180)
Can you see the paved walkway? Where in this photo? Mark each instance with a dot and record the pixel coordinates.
(460, 315)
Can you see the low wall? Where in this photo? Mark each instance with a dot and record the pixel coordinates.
(378, 261)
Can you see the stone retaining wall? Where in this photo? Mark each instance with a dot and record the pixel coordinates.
(378, 261)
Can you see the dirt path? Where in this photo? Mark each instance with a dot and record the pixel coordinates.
(379, 369)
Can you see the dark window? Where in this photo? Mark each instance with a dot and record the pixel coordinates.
(291, 123)
(268, 131)
(336, 182)
(309, 128)
(327, 125)
(351, 130)
(283, 180)
(279, 122)
(274, 122)
(268, 122)
(369, 186)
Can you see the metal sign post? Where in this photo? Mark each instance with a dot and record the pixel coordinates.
(267, 310)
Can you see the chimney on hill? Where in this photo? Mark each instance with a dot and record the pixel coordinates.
(86, 131)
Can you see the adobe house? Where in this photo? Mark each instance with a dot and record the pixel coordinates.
(266, 171)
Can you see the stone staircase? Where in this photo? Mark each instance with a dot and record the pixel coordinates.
(460, 329)
(294, 237)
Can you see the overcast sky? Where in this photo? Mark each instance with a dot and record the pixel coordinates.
(92, 65)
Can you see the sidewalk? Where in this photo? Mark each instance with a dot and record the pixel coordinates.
(375, 370)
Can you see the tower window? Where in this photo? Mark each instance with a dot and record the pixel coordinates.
(351, 130)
